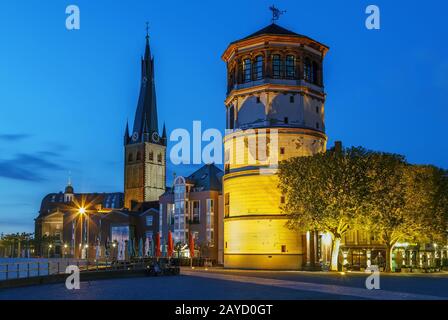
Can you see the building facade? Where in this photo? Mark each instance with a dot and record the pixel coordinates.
(275, 109)
(194, 205)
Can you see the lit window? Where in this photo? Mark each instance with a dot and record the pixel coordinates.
(149, 220)
(258, 68)
(307, 70)
(195, 211)
(315, 73)
(290, 65)
(210, 222)
(276, 66)
(227, 204)
(247, 70)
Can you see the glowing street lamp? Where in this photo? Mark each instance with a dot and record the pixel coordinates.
(81, 212)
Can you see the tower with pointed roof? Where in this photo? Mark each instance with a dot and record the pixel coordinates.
(145, 148)
(274, 84)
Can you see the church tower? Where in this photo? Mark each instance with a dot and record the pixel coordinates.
(275, 84)
(145, 149)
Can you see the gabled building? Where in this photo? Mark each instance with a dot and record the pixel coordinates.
(194, 206)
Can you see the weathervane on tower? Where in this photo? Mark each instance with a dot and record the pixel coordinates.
(276, 13)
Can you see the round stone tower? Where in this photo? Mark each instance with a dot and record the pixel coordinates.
(275, 110)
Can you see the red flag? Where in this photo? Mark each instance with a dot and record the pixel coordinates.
(191, 245)
(170, 244)
(158, 253)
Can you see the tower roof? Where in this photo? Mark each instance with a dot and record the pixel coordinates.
(272, 29)
(273, 32)
(145, 122)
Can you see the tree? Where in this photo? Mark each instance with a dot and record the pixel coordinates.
(325, 192)
(404, 202)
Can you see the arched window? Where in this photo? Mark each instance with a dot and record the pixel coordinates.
(290, 65)
(151, 156)
(276, 66)
(315, 73)
(139, 156)
(258, 68)
(247, 70)
(307, 70)
(130, 157)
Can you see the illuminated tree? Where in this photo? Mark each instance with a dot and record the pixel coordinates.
(404, 202)
(325, 192)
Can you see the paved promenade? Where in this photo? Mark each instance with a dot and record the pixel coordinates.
(219, 284)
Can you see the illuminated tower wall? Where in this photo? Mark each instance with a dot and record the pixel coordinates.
(275, 84)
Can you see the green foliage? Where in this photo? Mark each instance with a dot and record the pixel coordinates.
(377, 192)
(324, 191)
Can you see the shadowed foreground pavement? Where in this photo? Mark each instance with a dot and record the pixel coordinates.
(235, 285)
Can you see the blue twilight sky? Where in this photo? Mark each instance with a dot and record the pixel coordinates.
(65, 95)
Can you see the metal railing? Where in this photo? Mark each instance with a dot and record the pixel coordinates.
(39, 268)
(28, 269)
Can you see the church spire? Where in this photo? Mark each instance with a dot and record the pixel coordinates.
(146, 123)
(164, 134)
(126, 134)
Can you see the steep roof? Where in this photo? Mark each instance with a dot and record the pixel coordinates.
(146, 122)
(273, 29)
(55, 201)
(207, 178)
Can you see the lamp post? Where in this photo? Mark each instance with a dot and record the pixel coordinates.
(49, 249)
(81, 212)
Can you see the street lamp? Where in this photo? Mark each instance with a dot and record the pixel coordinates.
(82, 211)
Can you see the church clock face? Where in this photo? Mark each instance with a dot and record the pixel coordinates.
(135, 137)
(155, 137)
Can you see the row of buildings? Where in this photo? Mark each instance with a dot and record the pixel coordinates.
(275, 83)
